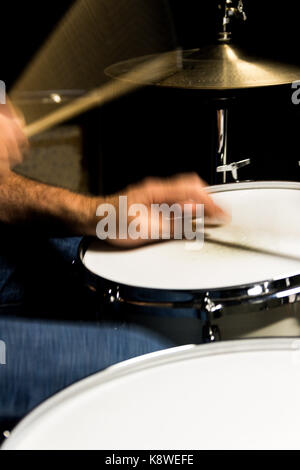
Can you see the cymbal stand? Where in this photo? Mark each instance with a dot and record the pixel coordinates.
(222, 163)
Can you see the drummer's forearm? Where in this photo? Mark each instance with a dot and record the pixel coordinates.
(46, 208)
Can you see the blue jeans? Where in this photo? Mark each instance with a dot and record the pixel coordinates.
(43, 357)
(38, 279)
(37, 271)
(45, 354)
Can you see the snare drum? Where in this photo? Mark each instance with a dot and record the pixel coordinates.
(226, 395)
(222, 285)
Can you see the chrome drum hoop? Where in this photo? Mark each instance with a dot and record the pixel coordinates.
(253, 185)
(217, 302)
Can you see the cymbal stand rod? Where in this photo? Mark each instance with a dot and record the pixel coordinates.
(222, 150)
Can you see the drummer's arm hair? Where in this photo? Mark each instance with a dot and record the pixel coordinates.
(57, 211)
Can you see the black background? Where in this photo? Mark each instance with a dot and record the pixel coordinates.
(161, 132)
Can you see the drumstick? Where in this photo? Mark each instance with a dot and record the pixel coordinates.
(155, 68)
(253, 248)
(253, 239)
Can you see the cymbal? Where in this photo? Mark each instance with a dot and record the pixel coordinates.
(217, 67)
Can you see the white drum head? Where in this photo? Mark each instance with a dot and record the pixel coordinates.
(235, 395)
(268, 212)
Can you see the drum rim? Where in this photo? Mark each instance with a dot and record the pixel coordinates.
(278, 291)
(253, 185)
(142, 363)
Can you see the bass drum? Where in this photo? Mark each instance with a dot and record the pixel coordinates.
(227, 395)
(218, 291)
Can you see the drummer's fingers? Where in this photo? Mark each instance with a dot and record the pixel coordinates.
(173, 189)
(168, 189)
(193, 192)
(184, 187)
(166, 228)
(191, 209)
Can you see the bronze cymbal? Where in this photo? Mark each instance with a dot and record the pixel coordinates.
(219, 67)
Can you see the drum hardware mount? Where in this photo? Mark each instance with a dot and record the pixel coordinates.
(112, 296)
(233, 168)
(208, 309)
(232, 12)
(210, 332)
(6, 434)
(221, 162)
(222, 153)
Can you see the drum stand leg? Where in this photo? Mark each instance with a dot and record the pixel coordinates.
(210, 332)
(222, 165)
(222, 151)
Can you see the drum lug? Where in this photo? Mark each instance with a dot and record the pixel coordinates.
(213, 310)
(112, 295)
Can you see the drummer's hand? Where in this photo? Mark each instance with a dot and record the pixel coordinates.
(13, 142)
(181, 189)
